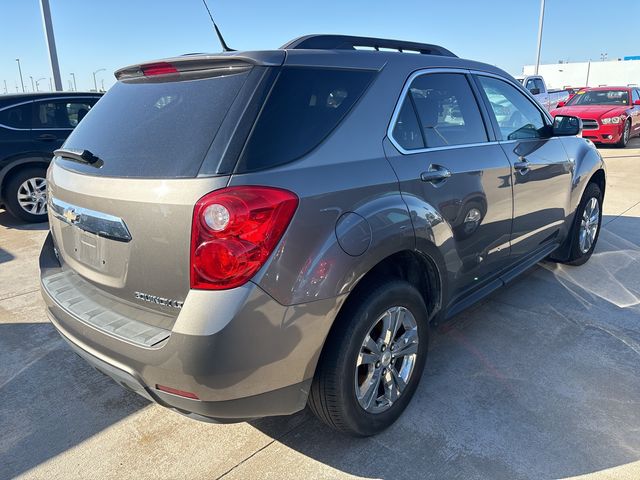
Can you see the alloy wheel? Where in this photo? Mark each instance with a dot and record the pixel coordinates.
(386, 360)
(32, 196)
(589, 224)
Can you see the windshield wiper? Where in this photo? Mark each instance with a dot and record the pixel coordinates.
(77, 155)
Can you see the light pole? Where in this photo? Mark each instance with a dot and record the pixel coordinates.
(540, 25)
(33, 85)
(51, 43)
(75, 88)
(5, 87)
(20, 70)
(603, 56)
(95, 84)
(37, 82)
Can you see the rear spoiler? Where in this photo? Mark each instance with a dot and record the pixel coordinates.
(200, 65)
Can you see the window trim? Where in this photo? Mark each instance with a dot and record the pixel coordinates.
(486, 120)
(33, 103)
(546, 116)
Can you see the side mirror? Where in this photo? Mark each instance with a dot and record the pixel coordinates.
(636, 102)
(566, 126)
(561, 104)
(535, 91)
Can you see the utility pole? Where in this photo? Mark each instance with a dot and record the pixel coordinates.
(75, 87)
(95, 84)
(51, 43)
(540, 25)
(20, 70)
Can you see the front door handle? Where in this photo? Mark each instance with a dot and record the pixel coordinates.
(47, 137)
(436, 173)
(522, 166)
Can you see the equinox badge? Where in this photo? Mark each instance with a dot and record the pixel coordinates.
(165, 302)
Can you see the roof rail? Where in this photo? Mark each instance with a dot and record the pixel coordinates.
(347, 42)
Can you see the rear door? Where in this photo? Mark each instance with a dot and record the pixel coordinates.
(55, 118)
(542, 171)
(15, 130)
(445, 154)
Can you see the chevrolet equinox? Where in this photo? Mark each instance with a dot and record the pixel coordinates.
(238, 235)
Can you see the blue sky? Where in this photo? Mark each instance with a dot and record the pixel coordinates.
(110, 34)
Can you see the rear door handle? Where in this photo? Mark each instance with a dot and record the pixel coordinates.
(47, 137)
(436, 173)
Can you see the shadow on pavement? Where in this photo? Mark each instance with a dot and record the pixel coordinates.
(540, 381)
(8, 221)
(50, 400)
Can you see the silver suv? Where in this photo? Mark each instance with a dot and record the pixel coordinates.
(242, 234)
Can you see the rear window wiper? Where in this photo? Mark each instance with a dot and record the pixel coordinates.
(78, 155)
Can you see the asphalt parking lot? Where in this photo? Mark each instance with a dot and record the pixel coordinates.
(540, 381)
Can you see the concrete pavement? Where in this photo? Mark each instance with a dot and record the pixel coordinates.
(540, 381)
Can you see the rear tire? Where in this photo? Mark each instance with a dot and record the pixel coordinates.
(25, 195)
(586, 226)
(351, 375)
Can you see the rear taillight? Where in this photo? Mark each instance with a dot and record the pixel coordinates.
(234, 231)
(158, 68)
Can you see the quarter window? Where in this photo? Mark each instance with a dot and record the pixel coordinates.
(515, 115)
(636, 95)
(439, 110)
(17, 117)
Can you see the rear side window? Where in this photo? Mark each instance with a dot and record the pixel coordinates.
(154, 129)
(17, 117)
(304, 106)
(447, 113)
(60, 113)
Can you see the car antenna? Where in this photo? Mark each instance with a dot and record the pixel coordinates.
(225, 47)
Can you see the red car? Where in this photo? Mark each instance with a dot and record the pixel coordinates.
(609, 114)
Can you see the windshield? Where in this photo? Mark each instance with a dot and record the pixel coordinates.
(600, 97)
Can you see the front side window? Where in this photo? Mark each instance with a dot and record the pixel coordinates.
(439, 110)
(17, 117)
(516, 116)
(60, 113)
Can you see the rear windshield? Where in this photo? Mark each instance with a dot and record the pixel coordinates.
(304, 106)
(154, 130)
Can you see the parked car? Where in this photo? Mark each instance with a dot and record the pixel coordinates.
(236, 235)
(32, 126)
(610, 115)
(538, 88)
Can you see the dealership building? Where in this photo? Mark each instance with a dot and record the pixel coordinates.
(589, 74)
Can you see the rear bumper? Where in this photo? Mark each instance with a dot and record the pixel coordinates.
(605, 133)
(259, 361)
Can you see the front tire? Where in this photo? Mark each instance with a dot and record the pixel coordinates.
(586, 226)
(626, 134)
(373, 360)
(25, 196)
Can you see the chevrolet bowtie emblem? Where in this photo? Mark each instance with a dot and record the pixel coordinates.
(70, 215)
